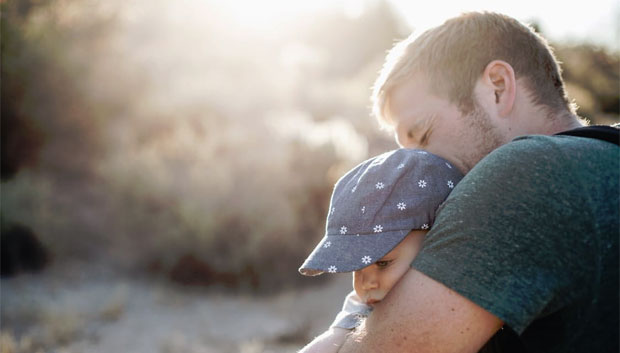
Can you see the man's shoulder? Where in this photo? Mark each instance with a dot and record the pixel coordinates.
(523, 211)
(536, 150)
(597, 135)
(533, 165)
(538, 143)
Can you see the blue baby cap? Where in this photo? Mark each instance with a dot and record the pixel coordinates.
(376, 204)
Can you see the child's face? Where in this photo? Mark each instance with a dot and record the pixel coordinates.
(373, 282)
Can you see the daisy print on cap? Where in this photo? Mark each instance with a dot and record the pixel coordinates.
(376, 205)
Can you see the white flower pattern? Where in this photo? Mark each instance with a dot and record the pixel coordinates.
(401, 205)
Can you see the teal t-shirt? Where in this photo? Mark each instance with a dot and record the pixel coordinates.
(531, 235)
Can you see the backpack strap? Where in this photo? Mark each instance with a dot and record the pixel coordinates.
(600, 132)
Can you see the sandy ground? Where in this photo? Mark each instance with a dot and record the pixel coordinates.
(90, 311)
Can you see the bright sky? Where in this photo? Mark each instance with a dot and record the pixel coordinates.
(596, 21)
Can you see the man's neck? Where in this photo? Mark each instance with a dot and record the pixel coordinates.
(566, 122)
(549, 125)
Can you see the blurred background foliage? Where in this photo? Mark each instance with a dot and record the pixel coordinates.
(182, 143)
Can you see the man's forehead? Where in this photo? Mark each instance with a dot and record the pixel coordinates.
(401, 116)
(408, 100)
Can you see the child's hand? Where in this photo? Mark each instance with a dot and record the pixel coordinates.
(353, 310)
(328, 342)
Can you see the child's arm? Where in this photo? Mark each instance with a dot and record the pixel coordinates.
(353, 310)
(328, 342)
(346, 320)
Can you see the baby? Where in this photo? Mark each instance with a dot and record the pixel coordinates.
(379, 214)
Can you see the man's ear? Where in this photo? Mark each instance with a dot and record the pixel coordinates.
(499, 77)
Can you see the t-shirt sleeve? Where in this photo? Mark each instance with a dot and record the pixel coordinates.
(509, 237)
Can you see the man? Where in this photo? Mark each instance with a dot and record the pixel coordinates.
(529, 238)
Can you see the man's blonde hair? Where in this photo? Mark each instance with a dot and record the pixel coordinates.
(455, 54)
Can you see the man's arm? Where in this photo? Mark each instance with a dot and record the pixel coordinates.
(422, 315)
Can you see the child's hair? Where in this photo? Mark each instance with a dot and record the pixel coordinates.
(376, 204)
(454, 55)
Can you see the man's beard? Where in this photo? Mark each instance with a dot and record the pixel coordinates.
(483, 134)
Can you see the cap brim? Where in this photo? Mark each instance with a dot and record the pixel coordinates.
(347, 253)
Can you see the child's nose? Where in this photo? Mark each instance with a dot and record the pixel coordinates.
(369, 280)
